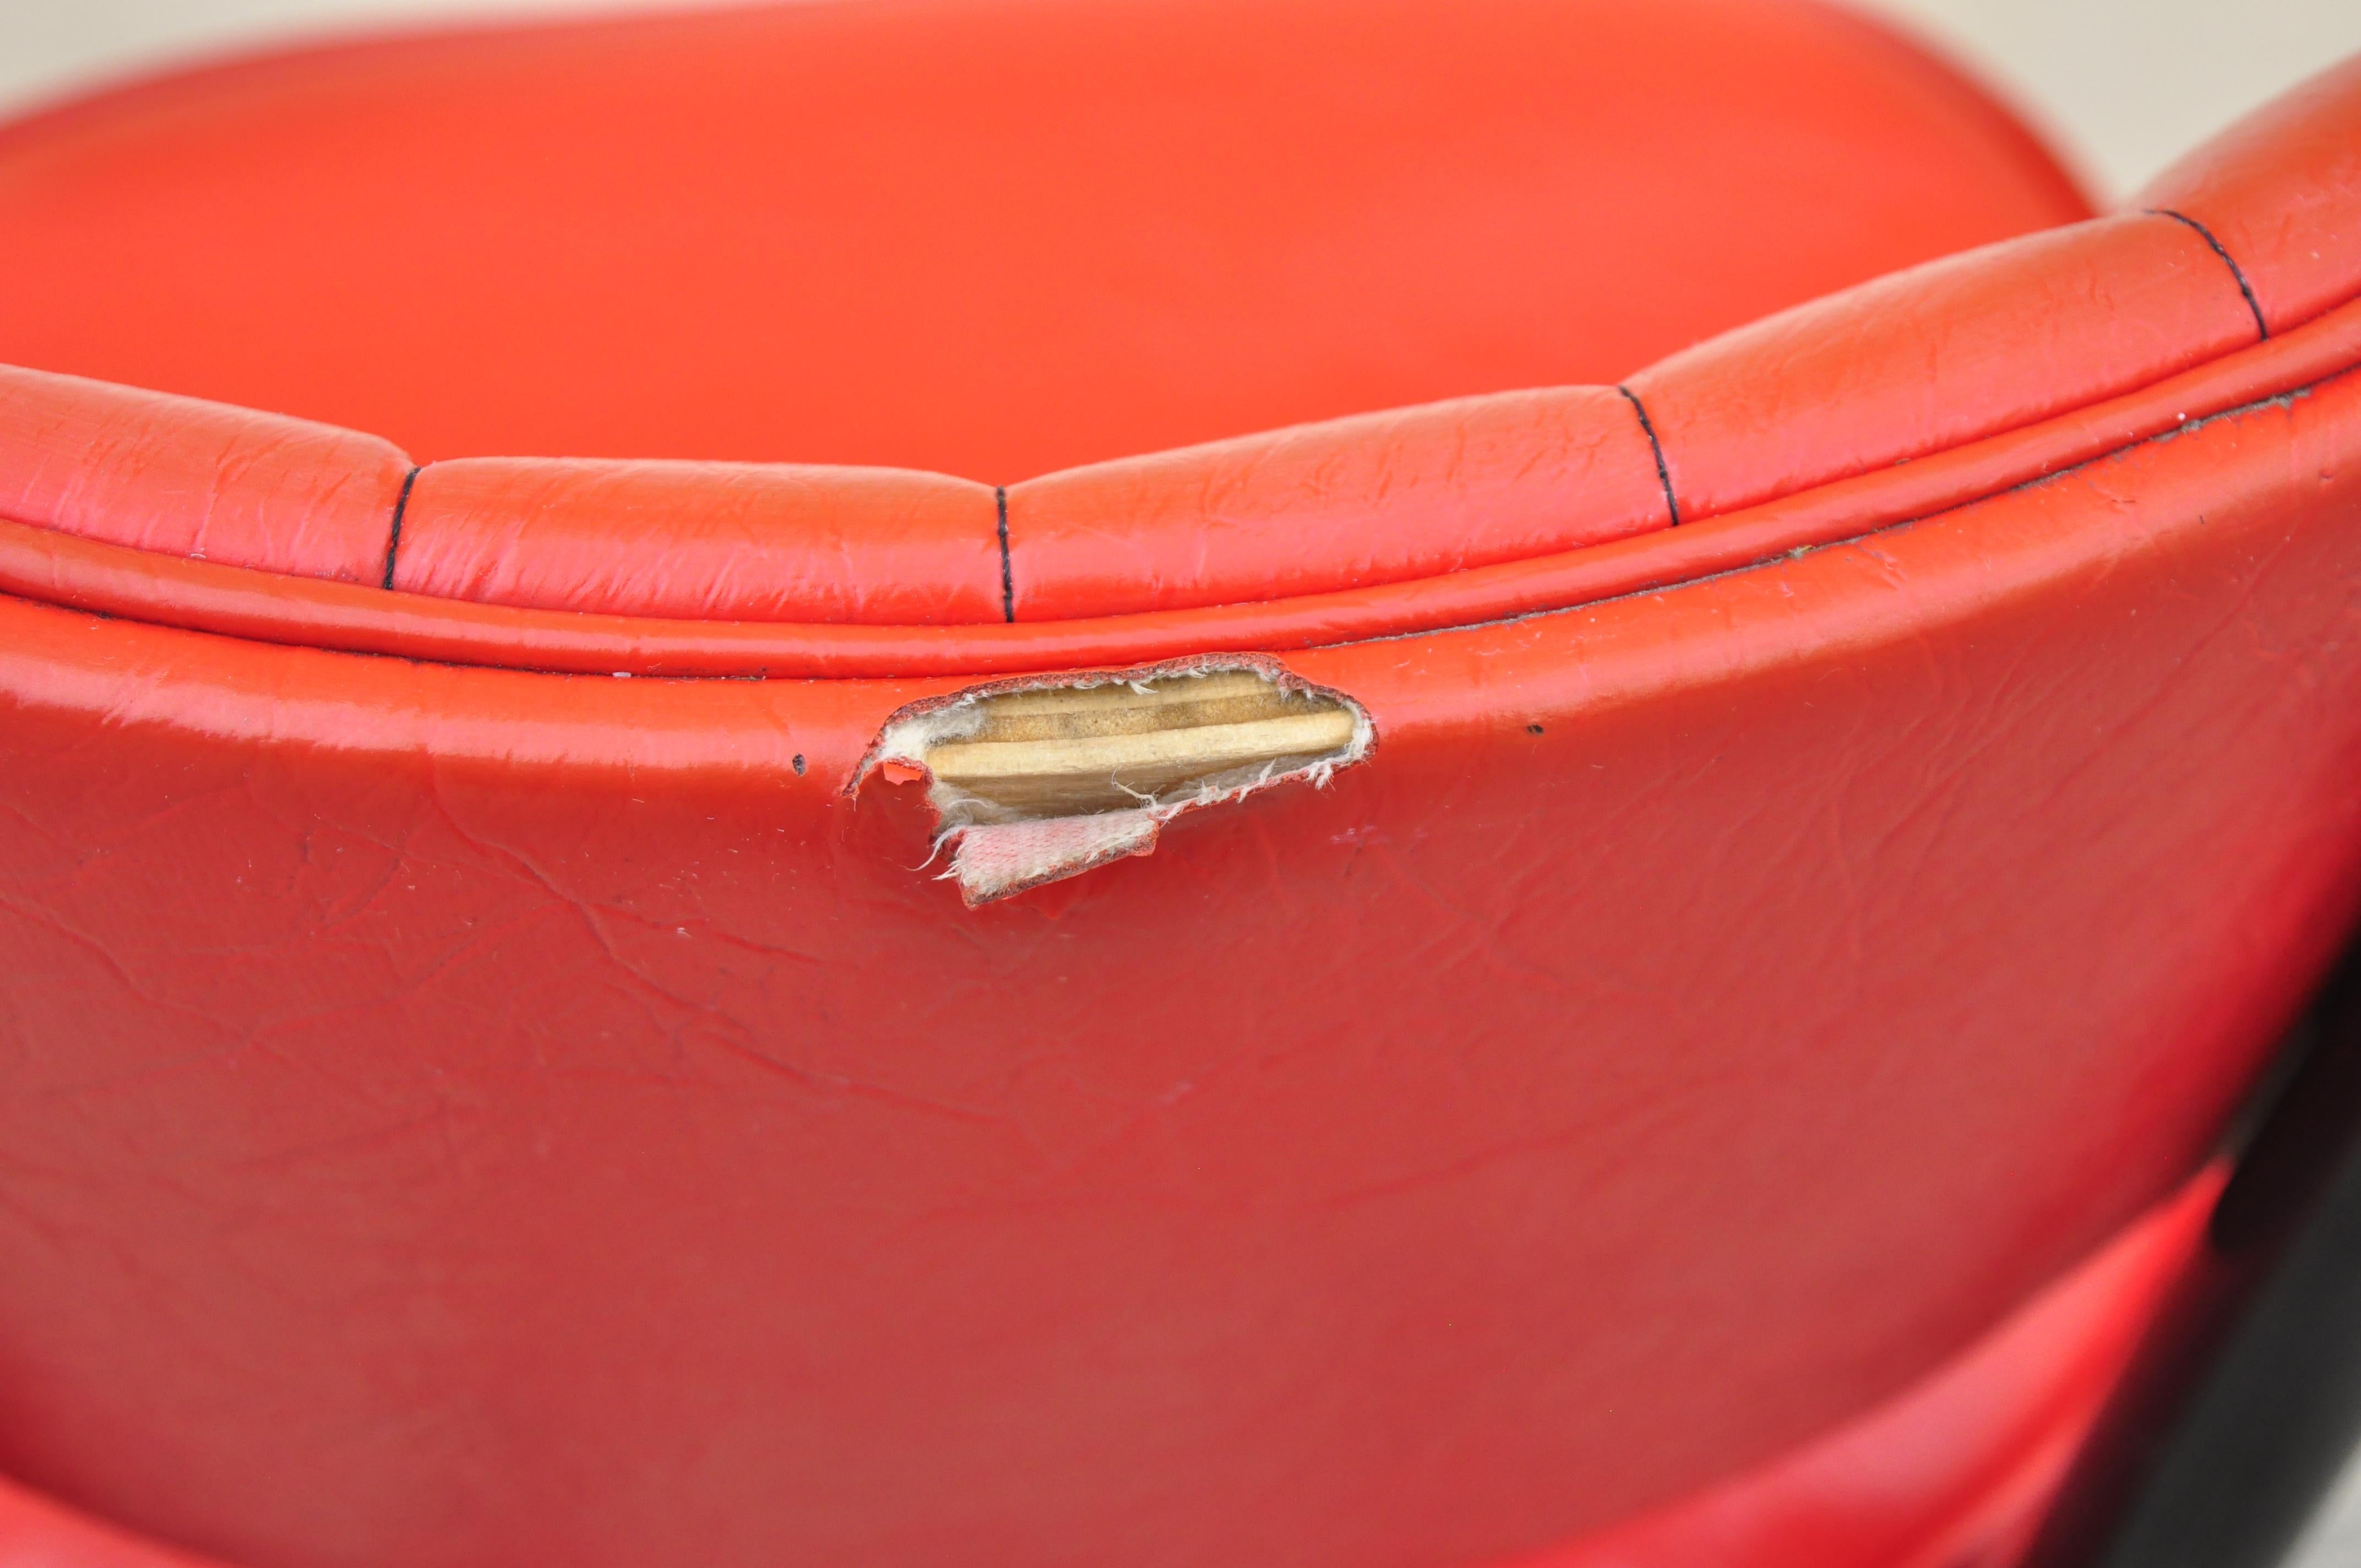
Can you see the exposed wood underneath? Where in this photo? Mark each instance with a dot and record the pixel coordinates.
(1063, 751)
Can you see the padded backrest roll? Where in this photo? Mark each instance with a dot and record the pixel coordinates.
(182, 477)
(1943, 354)
(1380, 499)
(720, 541)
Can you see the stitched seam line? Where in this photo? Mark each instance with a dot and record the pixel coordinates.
(2261, 327)
(2277, 399)
(1648, 429)
(1007, 575)
(393, 537)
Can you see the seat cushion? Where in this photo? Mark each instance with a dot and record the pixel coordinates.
(989, 240)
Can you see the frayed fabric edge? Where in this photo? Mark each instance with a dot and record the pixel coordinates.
(995, 855)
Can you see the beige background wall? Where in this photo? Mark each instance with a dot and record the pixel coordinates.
(2124, 86)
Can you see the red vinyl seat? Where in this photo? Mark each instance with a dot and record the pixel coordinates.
(1836, 670)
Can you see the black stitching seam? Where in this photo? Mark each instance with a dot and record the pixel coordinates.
(393, 538)
(1007, 576)
(2277, 399)
(2261, 327)
(1663, 475)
